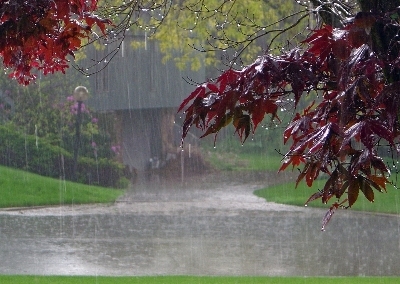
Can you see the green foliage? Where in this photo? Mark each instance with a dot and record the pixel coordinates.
(193, 25)
(104, 172)
(46, 114)
(48, 109)
(94, 141)
(20, 188)
(29, 153)
(38, 106)
(37, 155)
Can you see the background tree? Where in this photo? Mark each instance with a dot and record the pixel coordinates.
(351, 60)
(221, 29)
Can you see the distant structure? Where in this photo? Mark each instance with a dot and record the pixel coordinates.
(144, 94)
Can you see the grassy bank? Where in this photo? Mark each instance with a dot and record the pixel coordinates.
(195, 280)
(229, 161)
(19, 188)
(287, 194)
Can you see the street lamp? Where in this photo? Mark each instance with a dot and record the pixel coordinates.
(80, 94)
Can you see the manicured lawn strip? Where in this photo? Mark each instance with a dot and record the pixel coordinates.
(19, 188)
(287, 194)
(244, 161)
(194, 280)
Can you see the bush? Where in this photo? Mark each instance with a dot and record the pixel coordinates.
(102, 172)
(25, 152)
(28, 153)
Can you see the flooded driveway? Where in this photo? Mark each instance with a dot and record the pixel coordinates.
(197, 227)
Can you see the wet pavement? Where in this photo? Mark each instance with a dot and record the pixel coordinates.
(208, 225)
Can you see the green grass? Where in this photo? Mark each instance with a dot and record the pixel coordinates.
(19, 188)
(230, 161)
(287, 194)
(194, 280)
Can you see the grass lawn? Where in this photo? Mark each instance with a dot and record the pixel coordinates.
(228, 161)
(287, 194)
(195, 280)
(20, 188)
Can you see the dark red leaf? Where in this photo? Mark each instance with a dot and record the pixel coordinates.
(198, 92)
(341, 134)
(378, 182)
(378, 164)
(303, 173)
(260, 108)
(243, 126)
(41, 35)
(293, 159)
(228, 77)
(366, 189)
(352, 191)
(328, 215)
(313, 197)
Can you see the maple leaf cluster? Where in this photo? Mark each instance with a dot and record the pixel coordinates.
(337, 135)
(40, 34)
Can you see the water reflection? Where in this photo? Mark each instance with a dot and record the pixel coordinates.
(199, 231)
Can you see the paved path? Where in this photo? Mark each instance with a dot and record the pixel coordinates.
(199, 227)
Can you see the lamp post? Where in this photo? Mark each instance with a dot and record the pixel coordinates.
(81, 94)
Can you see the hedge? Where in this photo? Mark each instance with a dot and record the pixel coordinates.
(36, 155)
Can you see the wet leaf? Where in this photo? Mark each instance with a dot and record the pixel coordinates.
(198, 92)
(242, 125)
(366, 189)
(341, 133)
(352, 191)
(313, 197)
(378, 182)
(328, 216)
(293, 159)
(260, 108)
(46, 34)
